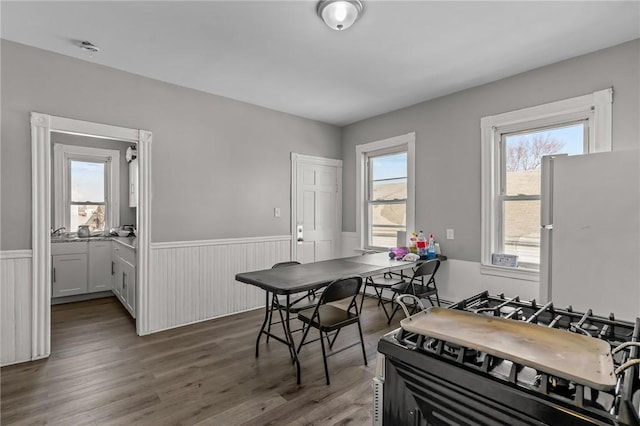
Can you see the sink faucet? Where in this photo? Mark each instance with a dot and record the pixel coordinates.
(57, 232)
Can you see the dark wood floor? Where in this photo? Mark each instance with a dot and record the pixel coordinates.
(101, 373)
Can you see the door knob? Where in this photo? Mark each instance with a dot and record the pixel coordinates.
(299, 236)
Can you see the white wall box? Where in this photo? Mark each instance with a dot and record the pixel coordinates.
(100, 277)
(133, 183)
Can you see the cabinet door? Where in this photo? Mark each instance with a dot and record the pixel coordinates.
(129, 287)
(100, 267)
(69, 274)
(117, 276)
(133, 183)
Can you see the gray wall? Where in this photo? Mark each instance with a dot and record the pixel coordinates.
(127, 214)
(219, 166)
(448, 137)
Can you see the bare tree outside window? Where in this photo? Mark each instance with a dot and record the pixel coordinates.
(526, 152)
(523, 154)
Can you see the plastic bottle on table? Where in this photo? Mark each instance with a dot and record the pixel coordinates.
(431, 248)
(421, 244)
(412, 243)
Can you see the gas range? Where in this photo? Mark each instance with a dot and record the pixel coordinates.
(421, 380)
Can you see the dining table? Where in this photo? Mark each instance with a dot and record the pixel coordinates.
(304, 277)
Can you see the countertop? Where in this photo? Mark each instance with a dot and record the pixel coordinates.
(125, 241)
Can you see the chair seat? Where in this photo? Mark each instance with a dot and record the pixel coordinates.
(400, 287)
(304, 302)
(382, 281)
(420, 290)
(330, 317)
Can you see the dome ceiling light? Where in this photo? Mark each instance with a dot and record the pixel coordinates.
(339, 14)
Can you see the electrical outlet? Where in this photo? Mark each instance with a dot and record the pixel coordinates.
(449, 234)
(276, 212)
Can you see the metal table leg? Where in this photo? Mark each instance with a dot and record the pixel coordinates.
(266, 317)
(289, 335)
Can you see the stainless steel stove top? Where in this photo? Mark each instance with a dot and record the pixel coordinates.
(432, 371)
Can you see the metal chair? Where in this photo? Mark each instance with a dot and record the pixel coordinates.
(327, 318)
(421, 290)
(301, 301)
(379, 283)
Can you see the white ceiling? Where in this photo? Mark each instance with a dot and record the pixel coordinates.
(279, 54)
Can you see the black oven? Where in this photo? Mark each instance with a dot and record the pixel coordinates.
(424, 381)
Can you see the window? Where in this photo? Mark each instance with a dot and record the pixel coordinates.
(87, 204)
(385, 190)
(518, 212)
(513, 145)
(386, 198)
(86, 188)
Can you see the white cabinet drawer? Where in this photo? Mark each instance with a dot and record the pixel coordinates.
(125, 253)
(68, 248)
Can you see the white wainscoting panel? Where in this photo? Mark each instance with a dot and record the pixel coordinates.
(459, 279)
(15, 305)
(194, 281)
(511, 287)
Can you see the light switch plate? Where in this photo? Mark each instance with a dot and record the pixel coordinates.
(276, 212)
(449, 234)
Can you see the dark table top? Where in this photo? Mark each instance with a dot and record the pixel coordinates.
(309, 276)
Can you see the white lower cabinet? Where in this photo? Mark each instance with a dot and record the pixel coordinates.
(124, 276)
(68, 269)
(100, 277)
(69, 274)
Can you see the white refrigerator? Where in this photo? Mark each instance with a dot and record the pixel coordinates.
(590, 236)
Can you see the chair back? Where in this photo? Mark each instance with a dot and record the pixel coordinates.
(288, 263)
(429, 267)
(341, 289)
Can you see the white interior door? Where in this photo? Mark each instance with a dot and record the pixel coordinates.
(317, 209)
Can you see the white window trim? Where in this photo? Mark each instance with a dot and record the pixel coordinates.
(407, 141)
(597, 107)
(61, 155)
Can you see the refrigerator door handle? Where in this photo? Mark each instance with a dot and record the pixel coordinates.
(546, 190)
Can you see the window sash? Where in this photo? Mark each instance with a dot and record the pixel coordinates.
(371, 225)
(88, 159)
(88, 203)
(503, 198)
(370, 181)
(370, 191)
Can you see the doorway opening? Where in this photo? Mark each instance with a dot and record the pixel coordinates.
(94, 201)
(44, 129)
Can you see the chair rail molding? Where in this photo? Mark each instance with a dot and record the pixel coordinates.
(41, 127)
